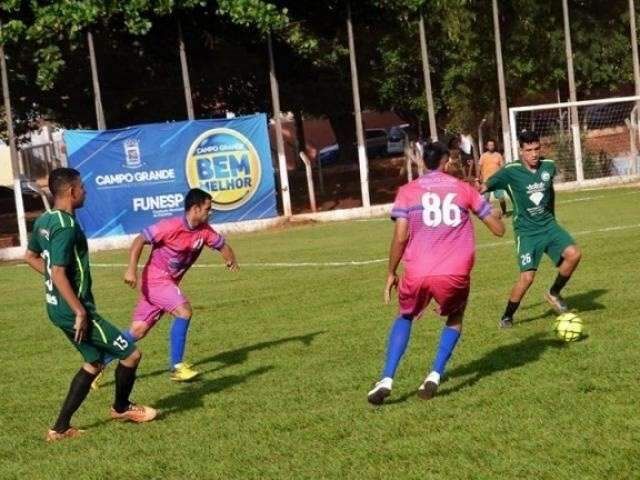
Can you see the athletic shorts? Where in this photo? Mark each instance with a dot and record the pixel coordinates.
(449, 291)
(497, 194)
(102, 339)
(531, 247)
(157, 299)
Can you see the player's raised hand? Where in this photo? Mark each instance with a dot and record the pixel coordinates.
(80, 325)
(131, 277)
(392, 282)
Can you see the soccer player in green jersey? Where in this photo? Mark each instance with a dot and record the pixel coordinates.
(58, 250)
(529, 183)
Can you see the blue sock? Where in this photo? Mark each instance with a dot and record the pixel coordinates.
(178, 339)
(448, 340)
(129, 337)
(398, 340)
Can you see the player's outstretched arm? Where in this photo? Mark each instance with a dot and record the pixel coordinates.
(494, 223)
(398, 244)
(135, 250)
(229, 258)
(35, 261)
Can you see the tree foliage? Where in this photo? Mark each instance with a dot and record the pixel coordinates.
(139, 70)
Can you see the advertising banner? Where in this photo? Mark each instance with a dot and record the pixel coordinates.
(137, 175)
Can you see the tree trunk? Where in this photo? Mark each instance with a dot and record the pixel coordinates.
(345, 132)
(302, 142)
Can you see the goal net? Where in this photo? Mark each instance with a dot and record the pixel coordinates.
(591, 141)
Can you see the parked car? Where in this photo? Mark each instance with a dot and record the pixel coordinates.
(397, 138)
(329, 155)
(376, 142)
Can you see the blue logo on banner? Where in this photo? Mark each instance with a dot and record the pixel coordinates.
(135, 176)
(132, 156)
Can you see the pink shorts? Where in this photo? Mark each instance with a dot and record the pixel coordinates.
(157, 299)
(449, 291)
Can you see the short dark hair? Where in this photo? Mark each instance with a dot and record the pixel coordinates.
(491, 140)
(195, 196)
(61, 179)
(433, 154)
(528, 136)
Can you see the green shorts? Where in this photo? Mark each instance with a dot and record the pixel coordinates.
(102, 339)
(497, 194)
(530, 247)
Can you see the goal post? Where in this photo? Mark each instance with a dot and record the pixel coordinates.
(600, 147)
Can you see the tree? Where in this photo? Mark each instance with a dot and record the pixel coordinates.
(139, 69)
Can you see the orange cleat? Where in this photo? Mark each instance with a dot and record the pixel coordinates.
(135, 413)
(71, 432)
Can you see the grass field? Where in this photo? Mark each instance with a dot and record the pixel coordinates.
(289, 353)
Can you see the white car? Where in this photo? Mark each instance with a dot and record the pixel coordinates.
(397, 139)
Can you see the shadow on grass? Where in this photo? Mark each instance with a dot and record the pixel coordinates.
(580, 302)
(507, 357)
(191, 397)
(238, 356)
(503, 358)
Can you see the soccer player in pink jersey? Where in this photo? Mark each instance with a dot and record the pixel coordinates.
(176, 243)
(434, 237)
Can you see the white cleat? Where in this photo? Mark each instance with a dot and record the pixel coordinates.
(429, 387)
(380, 391)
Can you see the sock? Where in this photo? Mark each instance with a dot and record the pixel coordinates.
(125, 379)
(177, 340)
(448, 340)
(129, 337)
(398, 340)
(78, 390)
(559, 284)
(511, 309)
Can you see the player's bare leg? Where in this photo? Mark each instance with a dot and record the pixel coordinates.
(123, 409)
(570, 259)
(78, 390)
(518, 291)
(448, 341)
(139, 329)
(181, 371)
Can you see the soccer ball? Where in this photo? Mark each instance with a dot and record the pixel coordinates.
(568, 327)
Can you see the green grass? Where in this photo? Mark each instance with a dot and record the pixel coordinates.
(288, 355)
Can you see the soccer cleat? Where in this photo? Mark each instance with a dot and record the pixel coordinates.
(135, 413)
(429, 387)
(557, 302)
(182, 372)
(380, 391)
(506, 322)
(71, 432)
